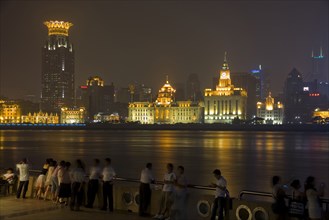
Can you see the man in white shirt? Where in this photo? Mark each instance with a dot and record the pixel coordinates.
(108, 175)
(23, 169)
(95, 173)
(145, 189)
(220, 195)
(167, 193)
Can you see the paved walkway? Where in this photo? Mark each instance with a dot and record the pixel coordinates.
(24, 209)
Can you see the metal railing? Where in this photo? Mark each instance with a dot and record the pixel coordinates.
(324, 200)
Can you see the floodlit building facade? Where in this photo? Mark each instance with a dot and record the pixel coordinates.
(226, 102)
(321, 116)
(109, 118)
(40, 118)
(10, 112)
(165, 110)
(271, 112)
(73, 115)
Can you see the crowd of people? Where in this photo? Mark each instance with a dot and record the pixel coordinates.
(299, 204)
(65, 184)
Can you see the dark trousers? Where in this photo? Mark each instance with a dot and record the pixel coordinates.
(108, 195)
(77, 195)
(22, 184)
(144, 197)
(219, 203)
(92, 191)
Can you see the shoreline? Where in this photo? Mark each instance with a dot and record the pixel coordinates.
(182, 127)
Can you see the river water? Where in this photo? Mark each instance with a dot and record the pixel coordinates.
(247, 160)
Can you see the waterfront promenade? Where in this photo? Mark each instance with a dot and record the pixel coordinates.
(24, 209)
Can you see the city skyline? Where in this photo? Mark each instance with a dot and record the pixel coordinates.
(142, 41)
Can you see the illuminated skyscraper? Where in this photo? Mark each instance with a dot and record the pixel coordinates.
(57, 77)
(318, 67)
(295, 98)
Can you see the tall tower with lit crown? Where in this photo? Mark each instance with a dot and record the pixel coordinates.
(57, 77)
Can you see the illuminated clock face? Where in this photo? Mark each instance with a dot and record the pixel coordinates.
(224, 74)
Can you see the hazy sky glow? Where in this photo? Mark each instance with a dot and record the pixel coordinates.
(141, 41)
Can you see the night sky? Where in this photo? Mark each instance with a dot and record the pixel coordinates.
(142, 41)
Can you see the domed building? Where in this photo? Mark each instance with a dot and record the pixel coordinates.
(165, 110)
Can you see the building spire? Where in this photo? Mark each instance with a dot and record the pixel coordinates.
(312, 55)
(167, 78)
(321, 54)
(225, 65)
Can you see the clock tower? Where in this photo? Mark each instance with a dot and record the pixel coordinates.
(226, 103)
(224, 74)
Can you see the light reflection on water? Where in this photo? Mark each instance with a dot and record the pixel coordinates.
(247, 159)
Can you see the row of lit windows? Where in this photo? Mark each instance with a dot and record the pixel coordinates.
(220, 118)
(182, 114)
(142, 114)
(182, 118)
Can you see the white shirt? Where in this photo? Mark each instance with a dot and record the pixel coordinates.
(95, 172)
(23, 171)
(9, 177)
(146, 176)
(222, 183)
(40, 182)
(314, 208)
(108, 173)
(78, 175)
(49, 174)
(169, 187)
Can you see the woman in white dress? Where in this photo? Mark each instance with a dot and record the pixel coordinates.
(313, 202)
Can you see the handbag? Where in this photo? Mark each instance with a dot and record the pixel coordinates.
(296, 208)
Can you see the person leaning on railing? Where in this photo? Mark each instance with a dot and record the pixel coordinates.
(279, 206)
(108, 175)
(220, 195)
(23, 168)
(145, 189)
(93, 183)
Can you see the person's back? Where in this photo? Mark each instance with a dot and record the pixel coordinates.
(78, 175)
(23, 169)
(145, 192)
(312, 195)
